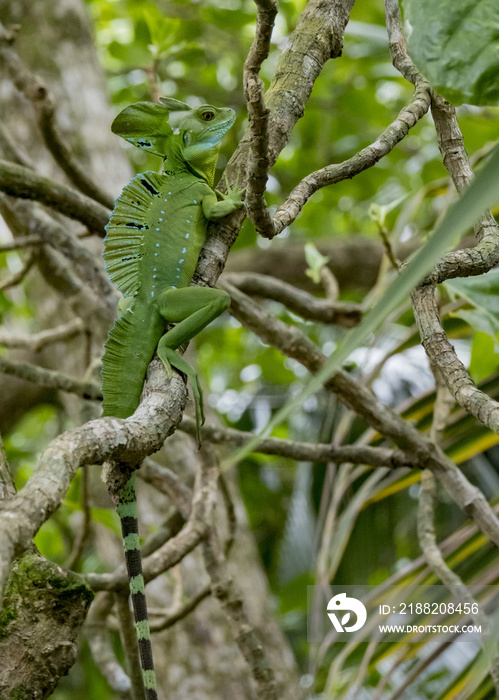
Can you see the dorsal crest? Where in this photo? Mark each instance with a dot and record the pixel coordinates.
(127, 227)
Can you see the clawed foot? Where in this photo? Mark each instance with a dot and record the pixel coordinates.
(235, 194)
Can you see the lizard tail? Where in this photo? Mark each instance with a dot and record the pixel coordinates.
(127, 511)
(129, 350)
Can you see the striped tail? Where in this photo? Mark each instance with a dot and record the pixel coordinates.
(129, 349)
(127, 511)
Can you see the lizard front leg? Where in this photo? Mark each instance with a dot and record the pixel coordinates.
(214, 209)
(192, 309)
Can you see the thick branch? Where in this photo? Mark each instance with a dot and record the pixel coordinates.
(318, 36)
(127, 441)
(230, 599)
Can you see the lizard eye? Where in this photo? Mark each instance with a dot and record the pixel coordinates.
(208, 115)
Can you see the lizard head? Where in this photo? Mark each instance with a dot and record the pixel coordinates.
(175, 130)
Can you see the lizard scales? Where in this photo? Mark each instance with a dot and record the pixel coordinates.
(154, 237)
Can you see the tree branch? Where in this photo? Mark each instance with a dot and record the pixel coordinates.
(258, 113)
(303, 451)
(37, 341)
(39, 95)
(318, 36)
(175, 549)
(292, 343)
(364, 159)
(158, 624)
(17, 277)
(460, 263)
(50, 378)
(346, 314)
(250, 646)
(25, 183)
(101, 648)
(127, 441)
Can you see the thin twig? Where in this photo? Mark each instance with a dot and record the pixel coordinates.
(171, 528)
(169, 483)
(364, 159)
(230, 510)
(331, 286)
(10, 149)
(7, 487)
(37, 341)
(303, 451)
(17, 277)
(346, 314)
(85, 528)
(177, 614)
(258, 113)
(51, 378)
(21, 242)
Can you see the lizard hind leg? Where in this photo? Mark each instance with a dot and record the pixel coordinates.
(192, 309)
(171, 358)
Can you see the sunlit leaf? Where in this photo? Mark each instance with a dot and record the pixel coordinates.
(455, 44)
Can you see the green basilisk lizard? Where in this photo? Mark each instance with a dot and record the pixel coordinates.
(154, 237)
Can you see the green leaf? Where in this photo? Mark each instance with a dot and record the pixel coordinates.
(482, 193)
(455, 44)
(482, 292)
(484, 360)
(315, 261)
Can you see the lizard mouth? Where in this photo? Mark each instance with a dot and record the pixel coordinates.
(224, 126)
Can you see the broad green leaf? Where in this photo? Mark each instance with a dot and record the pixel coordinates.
(455, 44)
(482, 293)
(484, 359)
(482, 193)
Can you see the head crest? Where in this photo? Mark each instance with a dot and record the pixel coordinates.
(145, 124)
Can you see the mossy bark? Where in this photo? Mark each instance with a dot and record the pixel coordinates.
(44, 609)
